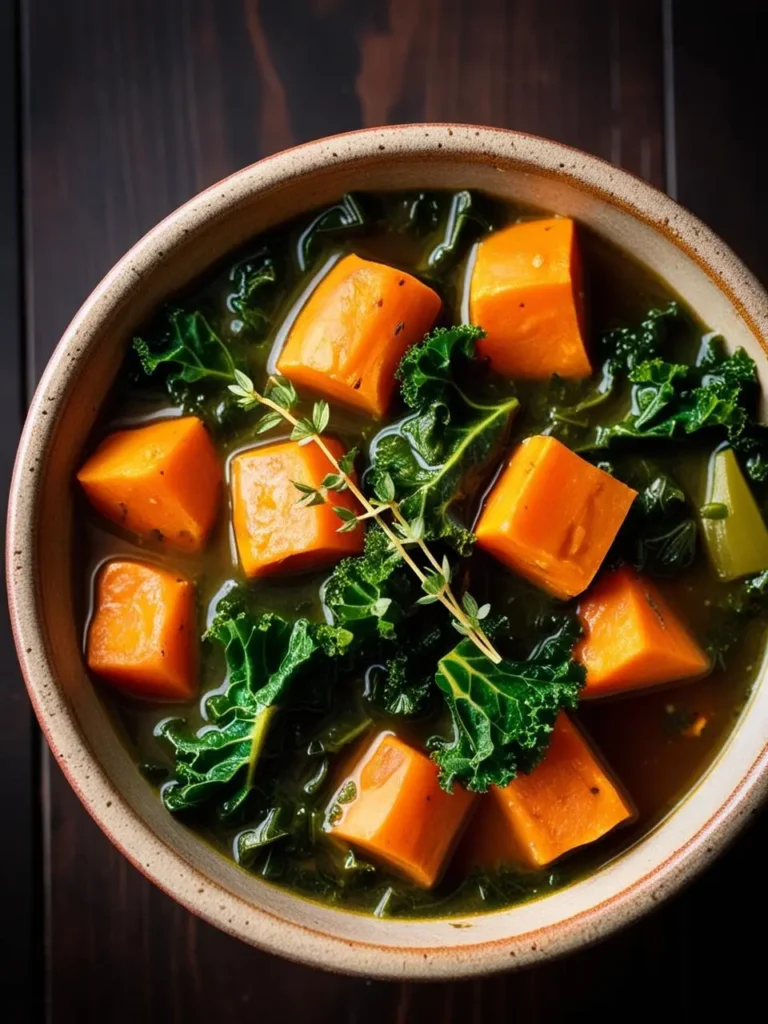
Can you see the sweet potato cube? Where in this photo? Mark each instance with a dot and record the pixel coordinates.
(353, 330)
(162, 481)
(526, 291)
(276, 535)
(567, 801)
(632, 638)
(392, 808)
(142, 636)
(552, 516)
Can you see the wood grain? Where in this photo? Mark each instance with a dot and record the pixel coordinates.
(21, 978)
(134, 106)
(718, 148)
(719, 138)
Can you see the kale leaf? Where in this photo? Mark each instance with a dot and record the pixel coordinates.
(624, 348)
(656, 385)
(621, 350)
(439, 455)
(372, 596)
(264, 656)
(199, 355)
(191, 347)
(417, 213)
(275, 825)
(346, 215)
(365, 594)
(402, 685)
(660, 534)
(249, 278)
(671, 400)
(464, 221)
(503, 714)
(448, 223)
(751, 596)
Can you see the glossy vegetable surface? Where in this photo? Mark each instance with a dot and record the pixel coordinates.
(424, 558)
(734, 529)
(162, 480)
(142, 635)
(393, 809)
(632, 638)
(567, 802)
(274, 533)
(527, 292)
(552, 516)
(349, 337)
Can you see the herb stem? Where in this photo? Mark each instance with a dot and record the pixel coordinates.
(456, 608)
(446, 596)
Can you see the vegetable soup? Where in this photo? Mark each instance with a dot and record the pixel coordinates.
(426, 565)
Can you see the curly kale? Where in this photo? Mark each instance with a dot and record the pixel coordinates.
(660, 534)
(672, 400)
(441, 453)
(265, 657)
(503, 714)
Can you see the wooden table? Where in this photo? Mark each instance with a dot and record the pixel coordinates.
(112, 112)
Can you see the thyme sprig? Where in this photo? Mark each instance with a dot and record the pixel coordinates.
(280, 398)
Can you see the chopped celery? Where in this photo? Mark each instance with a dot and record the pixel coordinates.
(738, 541)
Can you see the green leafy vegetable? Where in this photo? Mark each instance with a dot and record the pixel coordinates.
(191, 347)
(363, 594)
(503, 714)
(751, 596)
(656, 384)
(439, 456)
(265, 656)
(621, 350)
(271, 828)
(249, 278)
(339, 733)
(463, 223)
(343, 729)
(660, 534)
(401, 685)
(418, 212)
(673, 400)
(624, 348)
(669, 550)
(343, 216)
(449, 222)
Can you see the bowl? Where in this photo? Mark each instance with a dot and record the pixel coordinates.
(81, 736)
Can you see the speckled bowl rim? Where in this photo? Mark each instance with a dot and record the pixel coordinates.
(124, 827)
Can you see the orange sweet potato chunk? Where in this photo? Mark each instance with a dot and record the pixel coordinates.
(526, 292)
(632, 638)
(392, 808)
(142, 634)
(552, 516)
(162, 481)
(567, 801)
(273, 533)
(353, 330)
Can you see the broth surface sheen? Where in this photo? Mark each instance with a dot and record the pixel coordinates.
(644, 737)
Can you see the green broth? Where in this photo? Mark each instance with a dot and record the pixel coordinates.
(638, 736)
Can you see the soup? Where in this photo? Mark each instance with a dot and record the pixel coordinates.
(425, 559)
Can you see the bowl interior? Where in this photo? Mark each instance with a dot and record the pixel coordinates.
(81, 733)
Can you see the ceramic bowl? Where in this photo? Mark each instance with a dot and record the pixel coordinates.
(616, 205)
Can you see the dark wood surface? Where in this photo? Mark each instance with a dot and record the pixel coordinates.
(115, 112)
(20, 839)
